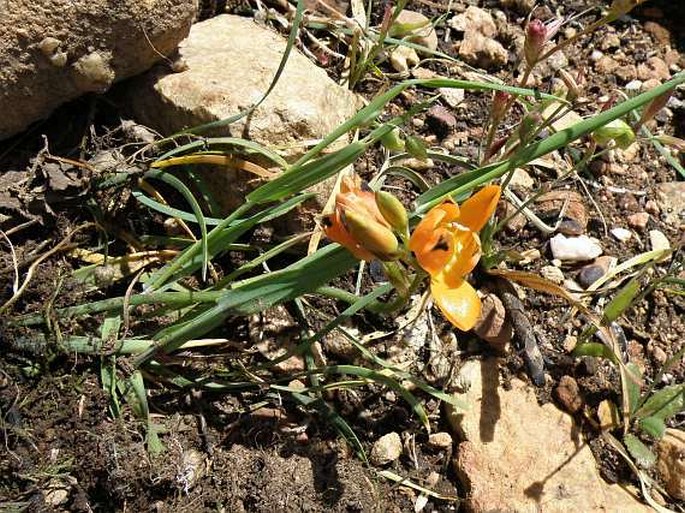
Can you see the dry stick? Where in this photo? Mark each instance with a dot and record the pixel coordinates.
(34, 265)
(15, 265)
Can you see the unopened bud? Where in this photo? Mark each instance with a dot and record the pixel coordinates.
(618, 131)
(392, 211)
(373, 236)
(536, 37)
(573, 89)
(393, 141)
(529, 124)
(500, 104)
(669, 140)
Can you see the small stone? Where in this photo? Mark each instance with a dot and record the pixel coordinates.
(658, 354)
(671, 198)
(606, 65)
(658, 240)
(441, 440)
(638, 221)
(386, 449)
(634, 86)
(574, 249)
(610, 41)
(56, 497)
(621, 234)
(594, 271)
(492, 325)
(422, 31)
(654, 67)
(553, 274)
(521, 179)
(570, 343)
(575, 218)
(651, 207)
(482, 51)
(529, 255)
(440, 120)
(402, 58)
(596, 55)
(474, 19)
(651, 84)
(568, 394)
(671, 462)
(626, 73)
(452, 96)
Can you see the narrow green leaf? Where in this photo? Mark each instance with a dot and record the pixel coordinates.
(594, 349)
(633, 387)
(664, 403)
(622, 300)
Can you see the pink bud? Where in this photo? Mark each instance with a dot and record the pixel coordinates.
(500, 103)
(536, 37)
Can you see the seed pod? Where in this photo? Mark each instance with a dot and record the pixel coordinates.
(393, 141)
(392, 211)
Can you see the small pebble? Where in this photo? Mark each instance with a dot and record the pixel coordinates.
(652, 207)
(568, 394)
(574, 249)
(638, 221)
(658, 240)
(594, 271)
(621, 234)
(553, 274)
(634, 86)
(386, 449)
(441, 440)
(440, 120)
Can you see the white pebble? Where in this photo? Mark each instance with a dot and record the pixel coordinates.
(552, 274)
(621, 234)
(658, 240)
(574, 249)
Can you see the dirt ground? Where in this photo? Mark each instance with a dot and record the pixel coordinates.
(63, 450)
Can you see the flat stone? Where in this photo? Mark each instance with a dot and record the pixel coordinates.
(440, 120)
(553, 274)
(654, 67)
(621, 234)
(568, 394)
(574, 249)
(516, 455)
(53, 51)
(671, 199)
(492, 325)
(638, 220)
(658, 240)
(440, 440)
(671, 462)
(386, 449)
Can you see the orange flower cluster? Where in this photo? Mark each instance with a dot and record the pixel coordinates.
(445, 243)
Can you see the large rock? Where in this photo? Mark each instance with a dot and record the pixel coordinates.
(52, 51)
(230, 62)
(518, 456)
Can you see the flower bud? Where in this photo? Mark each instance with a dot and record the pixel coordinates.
(373, 236)
(393, 141)
(500, 103)
(618, 131)
(392, 211)
(536, 37)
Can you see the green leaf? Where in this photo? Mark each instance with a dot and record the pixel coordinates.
(664, 403)
(633, 386)
(653, 426)
(594, 349)
(642, 454)
(622, 301)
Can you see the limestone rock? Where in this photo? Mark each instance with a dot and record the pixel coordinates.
(574, 249)
(231, 62)
(386, 449)
(474, 19)
(52, 51)
(418, 29)
(671, 199)
(478, 47)
(516, 455)
(671, 462)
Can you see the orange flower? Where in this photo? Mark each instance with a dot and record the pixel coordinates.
(358, 224)
(447, 246)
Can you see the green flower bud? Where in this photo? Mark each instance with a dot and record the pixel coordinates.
(416, 148)
(393, 141)
(618, 131)
(372, 235)
(392, 211)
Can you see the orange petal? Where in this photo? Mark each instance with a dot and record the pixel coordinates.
(476, 210)
(422, 238)
(467, 253)
(437, 251)
(460, 305)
